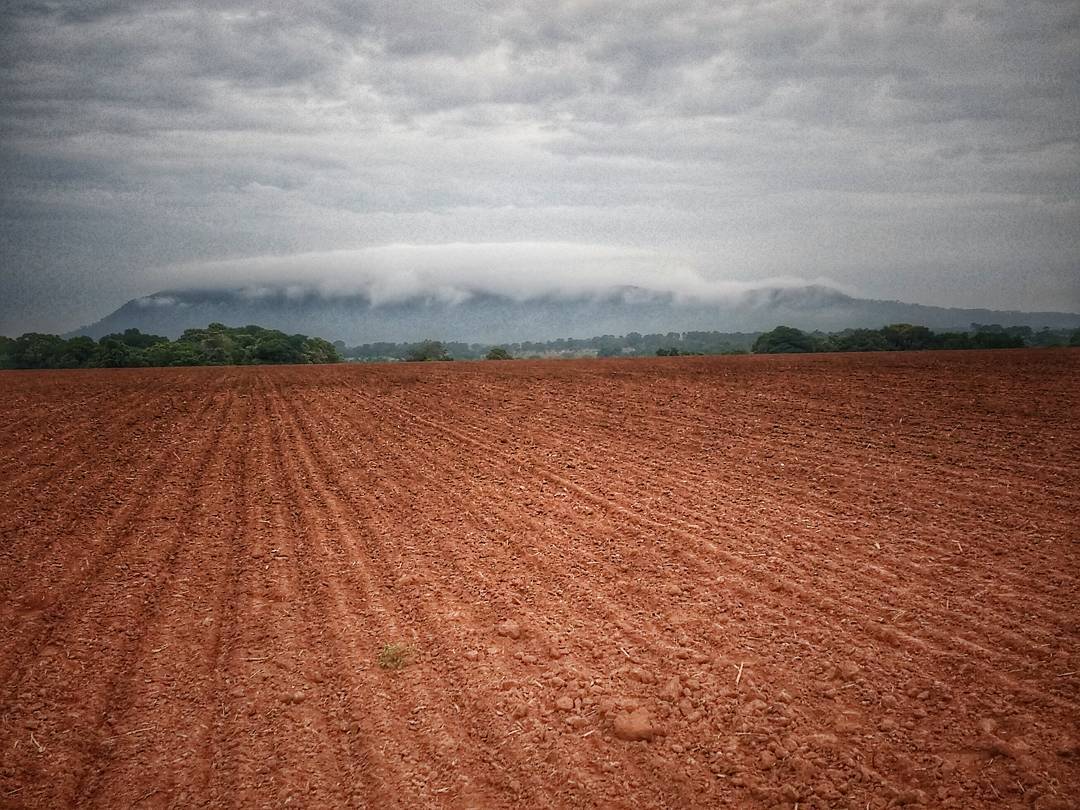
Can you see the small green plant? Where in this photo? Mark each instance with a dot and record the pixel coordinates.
(394, 656)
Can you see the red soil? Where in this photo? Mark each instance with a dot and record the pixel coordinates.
(831, 581)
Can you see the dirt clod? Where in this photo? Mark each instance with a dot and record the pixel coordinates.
(510, 629)
(634, 726)
(642, 675)
(671, 690)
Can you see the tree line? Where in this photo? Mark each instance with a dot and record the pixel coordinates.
(216, 345)
(895, 337)
(908, 337)
(632, 344)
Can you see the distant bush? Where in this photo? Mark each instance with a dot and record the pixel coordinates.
(498, 353)
(672, 351)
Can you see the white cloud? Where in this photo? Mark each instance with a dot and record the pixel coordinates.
(456, 271)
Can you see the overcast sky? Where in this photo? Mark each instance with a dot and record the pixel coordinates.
(923, 151)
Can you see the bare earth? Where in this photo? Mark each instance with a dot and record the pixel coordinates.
(831, 581)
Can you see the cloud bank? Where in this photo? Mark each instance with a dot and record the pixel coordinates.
(452, 273)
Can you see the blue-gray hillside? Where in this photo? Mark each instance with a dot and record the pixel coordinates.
(488, 318)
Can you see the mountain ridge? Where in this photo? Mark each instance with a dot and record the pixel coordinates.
(484, 317)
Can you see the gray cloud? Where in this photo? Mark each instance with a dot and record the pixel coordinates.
(924, 150)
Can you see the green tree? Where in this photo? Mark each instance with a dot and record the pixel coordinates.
(78, 352)
(135, 339)
(860, 340)
(608, 346)
(906, 337)
(273, 349)
(996, 340)
(498, 353)
(784, 340)
(317, 350)
(427, 350)
(173, 354)
(113, 353)
(36, 350)
(1047, 337)
(954, 340)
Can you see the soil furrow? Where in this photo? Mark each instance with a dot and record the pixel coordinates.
(933, 640)
(110, 629)
(641, 566)
(658, 479)
(52, 587)
(433, 638)
(170, 705)
(654, 480)
(43, 529)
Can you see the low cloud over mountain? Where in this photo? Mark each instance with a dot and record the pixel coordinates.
(506, 292)
(454, 273)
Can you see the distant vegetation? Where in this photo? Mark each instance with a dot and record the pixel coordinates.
(428, 350)
(216, 345)
(897, 337)
(906, 337)
(222, 345)
(633, 344)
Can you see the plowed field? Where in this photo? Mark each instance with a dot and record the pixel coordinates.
(831, 581)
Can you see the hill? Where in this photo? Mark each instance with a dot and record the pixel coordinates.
(484, 317)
